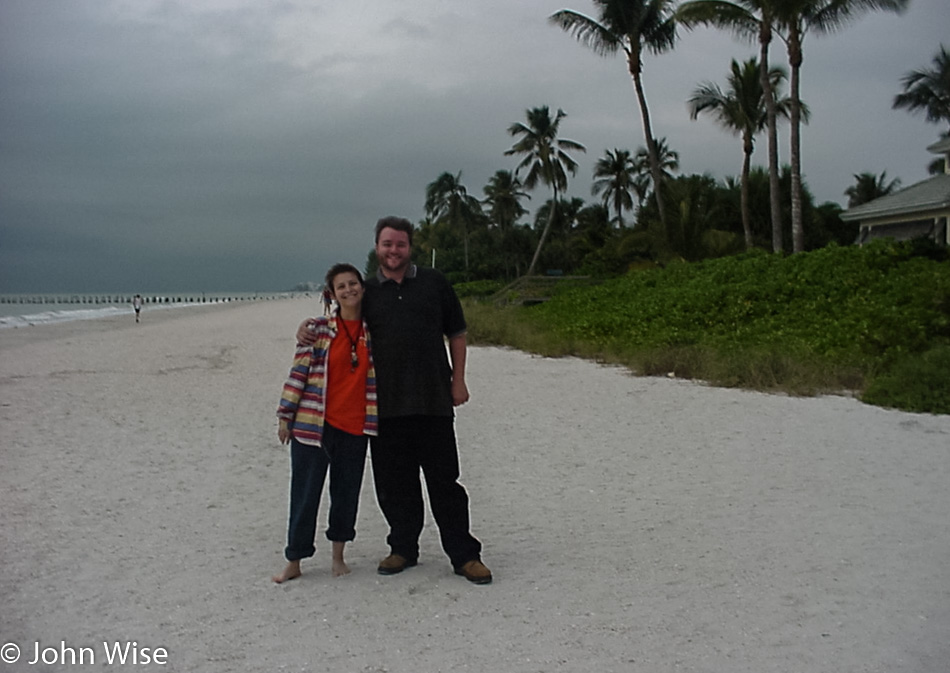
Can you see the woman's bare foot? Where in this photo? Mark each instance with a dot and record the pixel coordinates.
(290, 572)
(339, 566)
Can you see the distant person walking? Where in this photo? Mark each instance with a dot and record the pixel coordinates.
(137, 305)
(327, 409)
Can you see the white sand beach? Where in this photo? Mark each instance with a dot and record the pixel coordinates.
(632, 524)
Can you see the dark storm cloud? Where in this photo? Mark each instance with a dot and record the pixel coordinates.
(233, 144)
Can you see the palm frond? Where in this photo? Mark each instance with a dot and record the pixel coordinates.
(722, 14)
(587, 31)
(827, 16)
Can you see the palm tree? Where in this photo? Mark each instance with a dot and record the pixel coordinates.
(741, 109)
(545, 158)
(868, 186)
(447, 198)
(795, 18)
(630, 25)
(616, 177)
(928, 90)
(560, 251)
(751, 20)
(503, 197)
(668, 160)
(593, 229)
(695, 200)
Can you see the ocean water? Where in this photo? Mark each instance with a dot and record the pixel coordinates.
(25, 310)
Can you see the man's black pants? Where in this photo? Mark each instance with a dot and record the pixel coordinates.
(405, 445)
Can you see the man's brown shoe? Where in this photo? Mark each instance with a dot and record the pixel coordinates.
(475, 571)
(394, 563)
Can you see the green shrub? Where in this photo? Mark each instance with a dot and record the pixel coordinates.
(915, 383)
(852, 305)
(478, 288)
(820, 321)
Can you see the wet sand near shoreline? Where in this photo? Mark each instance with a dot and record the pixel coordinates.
(632, 524)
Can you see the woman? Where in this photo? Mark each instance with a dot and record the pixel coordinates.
(327, 409)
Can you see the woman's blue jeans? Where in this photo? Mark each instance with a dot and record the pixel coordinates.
(344, 455)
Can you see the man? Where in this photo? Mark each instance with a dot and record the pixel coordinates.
(409, 311)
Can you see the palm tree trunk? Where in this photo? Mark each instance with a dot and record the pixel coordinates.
(795, 62)
(457, 219)
(465, 238)
(544, 234)
(744, 189)
(775, 195)
(652, 153)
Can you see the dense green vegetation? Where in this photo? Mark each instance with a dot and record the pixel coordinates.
(872, 320)
(668, 273)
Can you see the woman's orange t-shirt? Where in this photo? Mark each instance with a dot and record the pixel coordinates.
(346, 385)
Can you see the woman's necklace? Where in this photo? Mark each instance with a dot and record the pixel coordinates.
(354, 358)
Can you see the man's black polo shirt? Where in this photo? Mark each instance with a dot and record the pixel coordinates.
(407, 324)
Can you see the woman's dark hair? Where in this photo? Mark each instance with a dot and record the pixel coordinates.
(335, 271)
(397, 223)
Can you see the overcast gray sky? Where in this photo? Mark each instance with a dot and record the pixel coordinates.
(242, 145)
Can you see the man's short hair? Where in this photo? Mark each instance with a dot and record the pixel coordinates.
(397, 223)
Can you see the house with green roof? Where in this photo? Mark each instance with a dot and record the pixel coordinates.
(919, 211)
